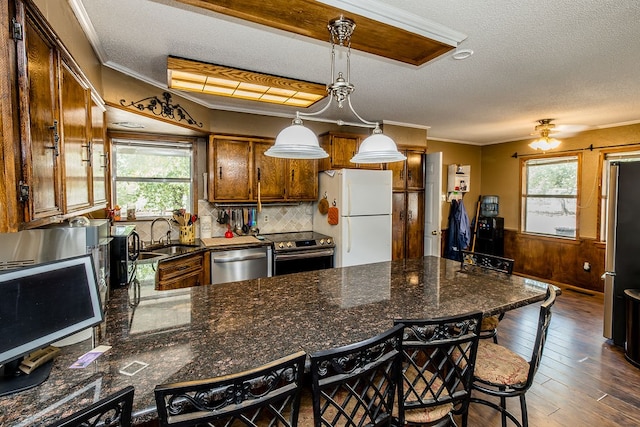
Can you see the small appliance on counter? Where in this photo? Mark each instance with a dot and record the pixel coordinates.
(125, 249)
(60, 241)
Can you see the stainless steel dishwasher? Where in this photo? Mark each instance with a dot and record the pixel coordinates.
(241, 264)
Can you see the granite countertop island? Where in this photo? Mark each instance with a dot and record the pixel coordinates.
(212, 330)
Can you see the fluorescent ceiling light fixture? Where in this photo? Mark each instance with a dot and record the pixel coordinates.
(211, 79)
(298, 142)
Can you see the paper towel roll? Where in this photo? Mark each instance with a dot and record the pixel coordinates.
(205, 226)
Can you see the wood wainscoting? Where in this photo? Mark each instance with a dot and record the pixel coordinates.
(557, 260)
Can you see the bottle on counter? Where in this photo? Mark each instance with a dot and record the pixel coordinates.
(117, 213)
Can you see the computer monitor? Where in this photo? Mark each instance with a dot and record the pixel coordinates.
(40, 305)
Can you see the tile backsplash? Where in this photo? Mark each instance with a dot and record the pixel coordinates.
(279, 218)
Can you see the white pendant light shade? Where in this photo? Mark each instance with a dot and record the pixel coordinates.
(378, 148)
(296, 142)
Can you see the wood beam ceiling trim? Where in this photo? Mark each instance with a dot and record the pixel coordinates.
(310, 18)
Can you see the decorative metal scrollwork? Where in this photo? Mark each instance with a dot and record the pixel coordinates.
(234, 393)
(163, 108)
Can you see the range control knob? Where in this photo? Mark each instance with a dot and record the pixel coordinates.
(289, 244)
(321, 241)
(281, 245)
(329, 241)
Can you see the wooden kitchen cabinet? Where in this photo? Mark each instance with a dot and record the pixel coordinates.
(302, 178)
(408, 175)
(182, 272)
(283, 179)
(229, 169)
(408, 204)
(40, 127)
(55, 124)
(75, 126)
(341, 147)
(280, 179)
(99, 155)
(269, 171)
(407, 225)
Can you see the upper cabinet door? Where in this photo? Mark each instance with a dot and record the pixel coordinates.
(268, 171)
(399, 170)
(229, 177)
(99, 160)
(77, 150)
(40, 126)
(341, 147)
(302, 176)
(415, 164)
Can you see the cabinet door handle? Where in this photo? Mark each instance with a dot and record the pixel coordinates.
(410, 215)
(56, 139)
(401, 215)
(258, 174)
(220, 172)
(105, 160)
(88, 147)
(409, 175)
(402, 174)
(293, 174)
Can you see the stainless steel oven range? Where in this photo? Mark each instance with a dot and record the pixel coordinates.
(301, 251)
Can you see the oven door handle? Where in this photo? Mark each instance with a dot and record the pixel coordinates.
(221, 260)
(304, 254)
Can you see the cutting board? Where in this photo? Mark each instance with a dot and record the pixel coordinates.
(223, 241)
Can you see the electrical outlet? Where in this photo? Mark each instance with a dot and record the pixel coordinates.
(265, 219)
(586, 266)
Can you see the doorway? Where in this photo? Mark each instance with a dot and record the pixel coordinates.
(433, 204)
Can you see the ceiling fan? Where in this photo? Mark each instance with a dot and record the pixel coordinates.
(545, 125)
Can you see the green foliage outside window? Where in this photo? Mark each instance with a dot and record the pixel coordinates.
(155, 178)
(550, 200)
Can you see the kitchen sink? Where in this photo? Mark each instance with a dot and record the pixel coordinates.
(174, 249)
(156, 252)
(151, 256)
(152, 247)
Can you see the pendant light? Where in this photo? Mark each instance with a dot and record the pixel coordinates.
(298, 142)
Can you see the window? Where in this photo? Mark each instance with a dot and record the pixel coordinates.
(550, 196)
(152, 176)
(626, 156)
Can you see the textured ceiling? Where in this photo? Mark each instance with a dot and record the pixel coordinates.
(575, 61)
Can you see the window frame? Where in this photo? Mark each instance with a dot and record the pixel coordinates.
(524, 195)
(117, 138)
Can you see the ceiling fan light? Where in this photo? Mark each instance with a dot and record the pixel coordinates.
(378, 148)
(296, 142)
(544, 143)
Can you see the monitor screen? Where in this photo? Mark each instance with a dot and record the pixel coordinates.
(44, 303)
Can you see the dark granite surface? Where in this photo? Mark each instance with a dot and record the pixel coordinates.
(212, 330)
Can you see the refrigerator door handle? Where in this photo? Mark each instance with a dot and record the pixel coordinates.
(348, 234)
(349, 198)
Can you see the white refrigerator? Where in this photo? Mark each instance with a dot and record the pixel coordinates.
(363, 199)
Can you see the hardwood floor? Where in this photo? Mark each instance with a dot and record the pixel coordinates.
(583, 379)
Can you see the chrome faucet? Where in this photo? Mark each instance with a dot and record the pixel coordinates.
(168, 231)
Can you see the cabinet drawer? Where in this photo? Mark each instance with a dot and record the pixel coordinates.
(185, 280)
(176, 269)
